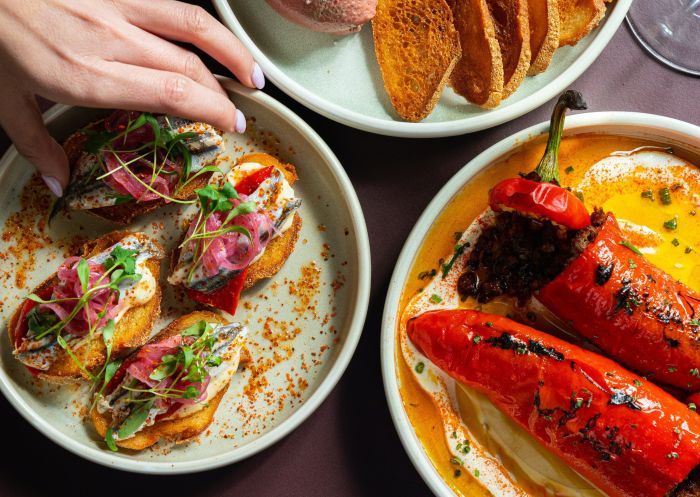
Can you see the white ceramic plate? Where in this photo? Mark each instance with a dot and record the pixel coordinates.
(340, 79)
(268, 400)
(646, 126)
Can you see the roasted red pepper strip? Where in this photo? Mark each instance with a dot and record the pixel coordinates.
(624, 434)
(631, 309)
(542, 200)
(250, 183)
(225, 298)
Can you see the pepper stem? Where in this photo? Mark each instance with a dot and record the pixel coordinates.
(548, 168)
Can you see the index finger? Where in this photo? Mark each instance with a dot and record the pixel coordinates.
(192, 24)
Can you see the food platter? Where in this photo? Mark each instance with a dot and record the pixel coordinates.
(679, 135)
(312, 311)
(340, 79)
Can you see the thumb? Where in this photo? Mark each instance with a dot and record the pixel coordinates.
(22, 121)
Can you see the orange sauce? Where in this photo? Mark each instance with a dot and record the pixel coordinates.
(577, 155)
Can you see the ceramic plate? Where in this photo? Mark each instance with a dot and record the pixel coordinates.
(340, 79)
(645, 126)
(304, 323)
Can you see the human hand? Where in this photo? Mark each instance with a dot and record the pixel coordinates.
(111, 54)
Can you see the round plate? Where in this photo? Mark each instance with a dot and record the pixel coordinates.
(304, 323)
(339, 77)
(646, 126)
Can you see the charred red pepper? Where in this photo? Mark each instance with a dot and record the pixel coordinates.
(539, 194)
(626, 435)
(227, 297)
(631, 309)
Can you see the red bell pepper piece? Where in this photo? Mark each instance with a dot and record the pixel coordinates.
(542, 200)
(250, 183)
(626, 435)
(631, 309)
(540, 194)
(225, 298)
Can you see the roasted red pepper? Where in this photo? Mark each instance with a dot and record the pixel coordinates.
(631, 309)
(225, 298)
(541, 200)
(250, 183)
(626, 435)
(539, 194)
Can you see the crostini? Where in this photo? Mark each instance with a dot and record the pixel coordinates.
(245, 230)
(131, 163)
(96, 306)
(171, 387)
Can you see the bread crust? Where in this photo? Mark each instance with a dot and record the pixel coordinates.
(280, 248)
(178, 430)
(417, 48)
(478, 75)
(132, 330)
(512, 25)
(578, 18)
(544, 33)
(125, 213)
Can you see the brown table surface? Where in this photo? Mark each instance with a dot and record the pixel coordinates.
(349, 447)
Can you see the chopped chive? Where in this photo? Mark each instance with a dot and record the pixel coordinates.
(477, 473)
(671, 224)
(665, 195)
(569, 170)
(627, 244)
(695, 322)
(476, 339)
(435, 298)
(648, 194)
(695, 372)
(672, 369)
(489, 324)
(688, 249)
(692, 406)
(672, 455)
(632, 263)
(637, 383)
(579, 194)
(420, 367)
(675, 242)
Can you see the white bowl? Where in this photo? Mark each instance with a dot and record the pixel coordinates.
(328, 198)
(647, 126)
(340, 79)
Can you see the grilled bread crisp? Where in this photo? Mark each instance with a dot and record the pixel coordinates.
(478, 76)
(417, 46)
(132, 330)
(544, 33)
(578, 18)
(125, 213)
(280, 248)
(510, 19)
(177, 430)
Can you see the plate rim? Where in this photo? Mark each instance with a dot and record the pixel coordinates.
(356, 319)
(491, 118)
(593, 120)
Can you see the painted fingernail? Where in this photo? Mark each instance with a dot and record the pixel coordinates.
(240, 122)
(53, 185)
(258, 77)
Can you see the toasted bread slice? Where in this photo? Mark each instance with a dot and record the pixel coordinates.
(578, 18)
(176, 430)
(417, 46)
(478, 76)
(543, 16)
(125, 213)
(512, 25)
(280, 248)
(132, 330)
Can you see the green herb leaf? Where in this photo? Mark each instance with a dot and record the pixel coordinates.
(110, 370)
(196, 330)
(109, 440)
(135, 420)
(214, 361)
(163, 371)
(191, 393)
(83, 271)
(107, 335)
(634, 249)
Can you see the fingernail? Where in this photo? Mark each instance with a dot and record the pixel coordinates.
(53, 185)
(240, 122)
(258, 77)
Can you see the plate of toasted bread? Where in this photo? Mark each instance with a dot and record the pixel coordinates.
(192, 297)
(424, 68)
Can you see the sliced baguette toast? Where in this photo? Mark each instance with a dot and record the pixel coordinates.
(578, 18)
(176, 430)
(132, 330)
(280, 248)
(125, 213)
(544, 33)
(417, 46)
(512, 25)
(478, 75)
